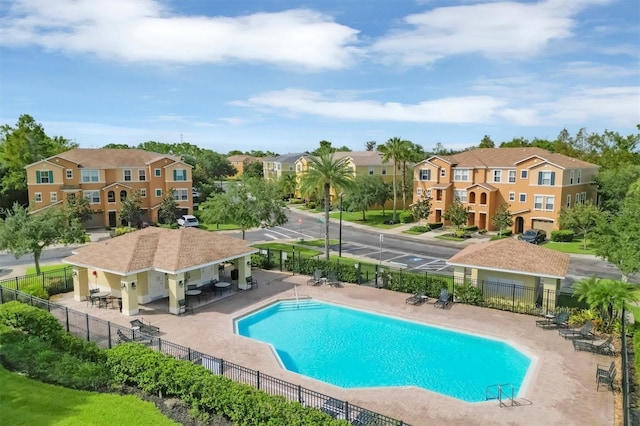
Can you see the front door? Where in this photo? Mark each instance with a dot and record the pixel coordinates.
(519, 225)
(112, 219)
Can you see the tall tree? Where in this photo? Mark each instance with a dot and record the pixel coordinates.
(393, 150)
(248, 203)
(421, 209)
(117, 146)
(21, 145)
(486, 142)
(582, 218)
(167, 212)
(457, 214)
(209, 168)
(255, 169)
(613, 185)
(502, 218)
(78, 208)
(22, 233)
(326, 172)
(370, 145)
(288, 184)
(130, 208)
(364, 193)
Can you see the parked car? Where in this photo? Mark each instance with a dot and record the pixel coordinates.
(188, 220)
(195, 193)
(534, 236)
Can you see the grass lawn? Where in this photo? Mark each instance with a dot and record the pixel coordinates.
(574, 247)
(218, 226)
(307, 252)
(28, 402)
(375, 218)
(450, 238)
(319, 243)
(46, 268)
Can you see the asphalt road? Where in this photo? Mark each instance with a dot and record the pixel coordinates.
(400, 250)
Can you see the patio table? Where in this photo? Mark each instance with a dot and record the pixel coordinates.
(222, 285)
(193, 293)
(103, 298)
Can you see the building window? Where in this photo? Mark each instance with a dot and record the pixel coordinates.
(472, 197)
(123, 195)
(92, 196)
(157, 172)
(438, 195)
(568, 200)
(497, 176)
(142, 175)
(547, 178)
(443, 172)
(53, 196)
(419, 192)
(550, 203)
(461, 195)
(290, 167)
(127, 175)
(370, 171)
(524, 174)
(298, 168)
(579, 176)
(277, 166)
(522, 197)
(90, 176)
(143, 193)
(180, 175)
(425, 174)
(537, 202)
(428, 193)
(158, 192)
(69, 174)
(111, 197)
(512, 176)
(180, 194)
(44, 176)
(461, 175)
(384, 171)
(571, 176)
(512, 196)
(483, 198)
(38, 197)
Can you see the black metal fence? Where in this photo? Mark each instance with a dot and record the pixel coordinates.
(107, 335)
(631, 416)
(53, 282)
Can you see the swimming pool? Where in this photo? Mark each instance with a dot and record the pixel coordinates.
(353, 348)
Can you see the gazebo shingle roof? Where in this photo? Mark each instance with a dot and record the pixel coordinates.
(168, 250)
(515, 256)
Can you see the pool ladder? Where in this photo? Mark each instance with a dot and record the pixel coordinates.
(504, 393)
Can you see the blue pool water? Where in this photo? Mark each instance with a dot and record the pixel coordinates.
(352, 348)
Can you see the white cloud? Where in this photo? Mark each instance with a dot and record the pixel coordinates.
(145, 31)
(586, 69)
(500, 29)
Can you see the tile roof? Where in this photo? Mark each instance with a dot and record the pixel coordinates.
(235, 158)
(112, 158)
(167, 250)
(362, 158)
(509, 157)
(288, 158)
(514, 255)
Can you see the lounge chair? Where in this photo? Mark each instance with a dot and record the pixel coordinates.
(559, 321)
(416, 298)
(606, 379)
(443, 300)
(603, 370)
(122, 338)
(317, 278)
(144, 328)
(604, 347)
(332, 279)
(586, 331)
(333, 407)
(365, 418)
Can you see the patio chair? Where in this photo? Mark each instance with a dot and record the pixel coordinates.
(365, 418)
(332, 279)
(586, 331)
(416, 298)
(333, 407)
(251, 283)
(603, 370)
(606, 379)
(444, 299)
(144, 328)
(123, 338)
(559, 321)
(603, 347)
(317, 278)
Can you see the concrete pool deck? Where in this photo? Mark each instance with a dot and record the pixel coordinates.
(562, 389)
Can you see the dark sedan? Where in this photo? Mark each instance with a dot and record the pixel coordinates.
(534, 236)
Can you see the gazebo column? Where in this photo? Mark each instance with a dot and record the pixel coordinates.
(243, 265)
(80, 283)
(474, 276)
(459, 274)
(176, 292)
(129, 292)
(550, 287)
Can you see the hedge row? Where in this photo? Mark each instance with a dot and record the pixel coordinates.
(156, 373)
(563, 236)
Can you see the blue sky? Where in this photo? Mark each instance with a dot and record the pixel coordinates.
(281, 76)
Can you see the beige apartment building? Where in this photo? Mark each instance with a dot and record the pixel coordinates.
(106, 177)
(535, 183)
(240, 162)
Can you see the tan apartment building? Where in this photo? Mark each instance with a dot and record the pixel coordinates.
(106, 177)
(535, 183)
(240, 162)
(275, 167)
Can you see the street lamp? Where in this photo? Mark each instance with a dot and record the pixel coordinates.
(340, 229)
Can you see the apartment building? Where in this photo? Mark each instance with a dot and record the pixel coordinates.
(535, 183)
(240, 162)
(275, 167)
(106, 177)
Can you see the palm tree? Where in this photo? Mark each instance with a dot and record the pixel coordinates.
(325, 172)
(288, 183)
(393, 150)
(606, 296)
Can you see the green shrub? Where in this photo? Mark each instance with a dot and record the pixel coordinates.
(31, 320)
(482, 231)
(124, 230)
(36, 290)
(472, 228)
(311, 205)
(420, 228)
(563, 236)
(261, 261)
(405, 217)
(468, 293)
(435, 225)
